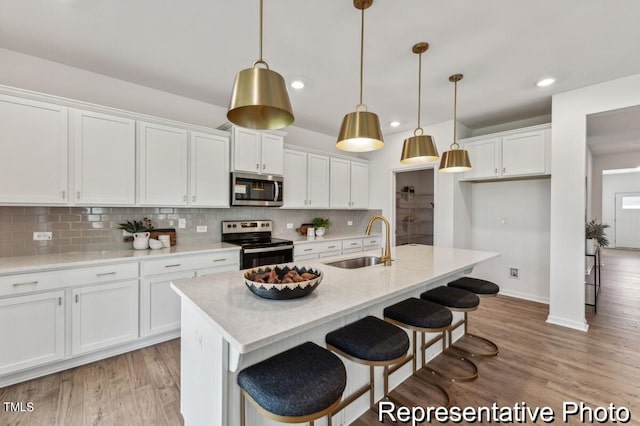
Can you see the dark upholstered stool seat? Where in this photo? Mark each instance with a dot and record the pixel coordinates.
(419, 313)
(475, 285)
(300, 381)
(370, 339)
(452, 297)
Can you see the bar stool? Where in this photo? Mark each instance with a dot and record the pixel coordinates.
(457, 300)
(299, 385)
(481, 288)
(373, 342)
(421, 316)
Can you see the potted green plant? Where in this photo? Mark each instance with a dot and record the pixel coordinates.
(321, 224)
(140, 229)
(594, 234)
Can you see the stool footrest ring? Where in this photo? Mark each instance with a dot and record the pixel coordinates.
(472, 365)
(492, 352)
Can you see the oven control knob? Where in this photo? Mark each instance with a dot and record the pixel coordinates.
(234, 225)
(228, 225)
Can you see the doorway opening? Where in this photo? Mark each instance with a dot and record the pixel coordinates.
(414, 207)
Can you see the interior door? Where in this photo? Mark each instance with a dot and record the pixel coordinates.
(627, 225)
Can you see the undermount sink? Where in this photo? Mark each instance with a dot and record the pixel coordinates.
(358, 262)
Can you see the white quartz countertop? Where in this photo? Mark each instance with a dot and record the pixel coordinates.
(301, 239)
(25, 264)
(249, 322)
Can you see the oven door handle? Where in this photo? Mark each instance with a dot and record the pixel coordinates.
(267, 249)
(277, 190)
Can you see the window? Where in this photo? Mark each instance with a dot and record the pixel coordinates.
(631, 203)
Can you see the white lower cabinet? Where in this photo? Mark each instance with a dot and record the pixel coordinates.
(31, 330)
(160, 309)
(103, 315)
(319, 249)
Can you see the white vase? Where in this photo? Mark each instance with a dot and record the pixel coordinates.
(320, 231)
(141, 240)
(590, 245)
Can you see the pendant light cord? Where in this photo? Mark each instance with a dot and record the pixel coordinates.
(419, 89)
(361, 54)
(455, 118)
(260, 59)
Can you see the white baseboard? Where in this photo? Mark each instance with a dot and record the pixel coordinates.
(576, 325)
(525, 296)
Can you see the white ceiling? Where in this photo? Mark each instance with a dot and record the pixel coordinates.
(194, 48)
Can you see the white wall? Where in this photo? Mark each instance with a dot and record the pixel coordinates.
(568, 149)
(612, 184)
(512, 218)
(39, 75)
(627, 160)
(451, 219)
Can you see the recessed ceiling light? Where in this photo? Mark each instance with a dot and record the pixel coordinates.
(546, 82)
(394, 124)
(297, 84)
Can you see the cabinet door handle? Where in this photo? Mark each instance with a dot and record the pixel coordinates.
(309, 202)
(504, 169)
(184, 198)
(78, 195)
(106, 273)
(172, 266)
(29, 283)
(193, 198)
(305, 202)
(76, 298)
(64, 195)
(496, 172)
(257, 166)
(220, 260)
(263, 166)
(59, 301)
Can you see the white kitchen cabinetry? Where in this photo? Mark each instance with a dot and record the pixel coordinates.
(34, 146)
(315, 250)
(160, 305)
(162, 164)
(369, 243)
(209, 166)
(104, 163)
(103, 315)
(349, 188)
(306, 177)
(352, 245)
(256, 151)
(31, 330)
(515, 154)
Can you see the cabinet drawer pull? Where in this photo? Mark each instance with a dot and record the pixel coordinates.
(29, 283)
(331, 247)
(220, 260)
(106, 273)
(353, 244)
(308, 249)
(373, 242)
(172, 266)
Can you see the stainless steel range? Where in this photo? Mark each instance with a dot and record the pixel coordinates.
(258, 247)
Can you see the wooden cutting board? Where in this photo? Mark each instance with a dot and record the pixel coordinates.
(171, 232)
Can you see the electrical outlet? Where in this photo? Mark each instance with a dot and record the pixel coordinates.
(349, 223)
(42, 236)
(182, 223)
(514, 272)
(201, 228)
(289, 225)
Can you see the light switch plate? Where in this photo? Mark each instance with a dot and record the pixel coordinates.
(42, 236)
(289, 225)
(201, 228)
(182, 222)
(349, 223)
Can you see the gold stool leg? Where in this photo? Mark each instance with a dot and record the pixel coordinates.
(242, 408)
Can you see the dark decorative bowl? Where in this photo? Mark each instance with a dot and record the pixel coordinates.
(282, 291)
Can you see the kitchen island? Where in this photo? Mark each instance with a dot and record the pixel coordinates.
(225, 327)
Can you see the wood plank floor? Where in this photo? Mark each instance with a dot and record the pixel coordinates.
(539, 364)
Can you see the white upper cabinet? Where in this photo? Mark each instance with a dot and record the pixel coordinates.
(359, 185)
(162, 165)
(349, 187)
(515, 154)
(306, 180)
(105, 159)
(255, 151)
(209, 177)
(34, 147)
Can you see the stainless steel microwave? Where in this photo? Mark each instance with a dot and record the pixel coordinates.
(248, 189)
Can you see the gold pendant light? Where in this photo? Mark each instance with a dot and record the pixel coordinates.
(456, 159)
(360, 130)
(259, 99)
(419, 148)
